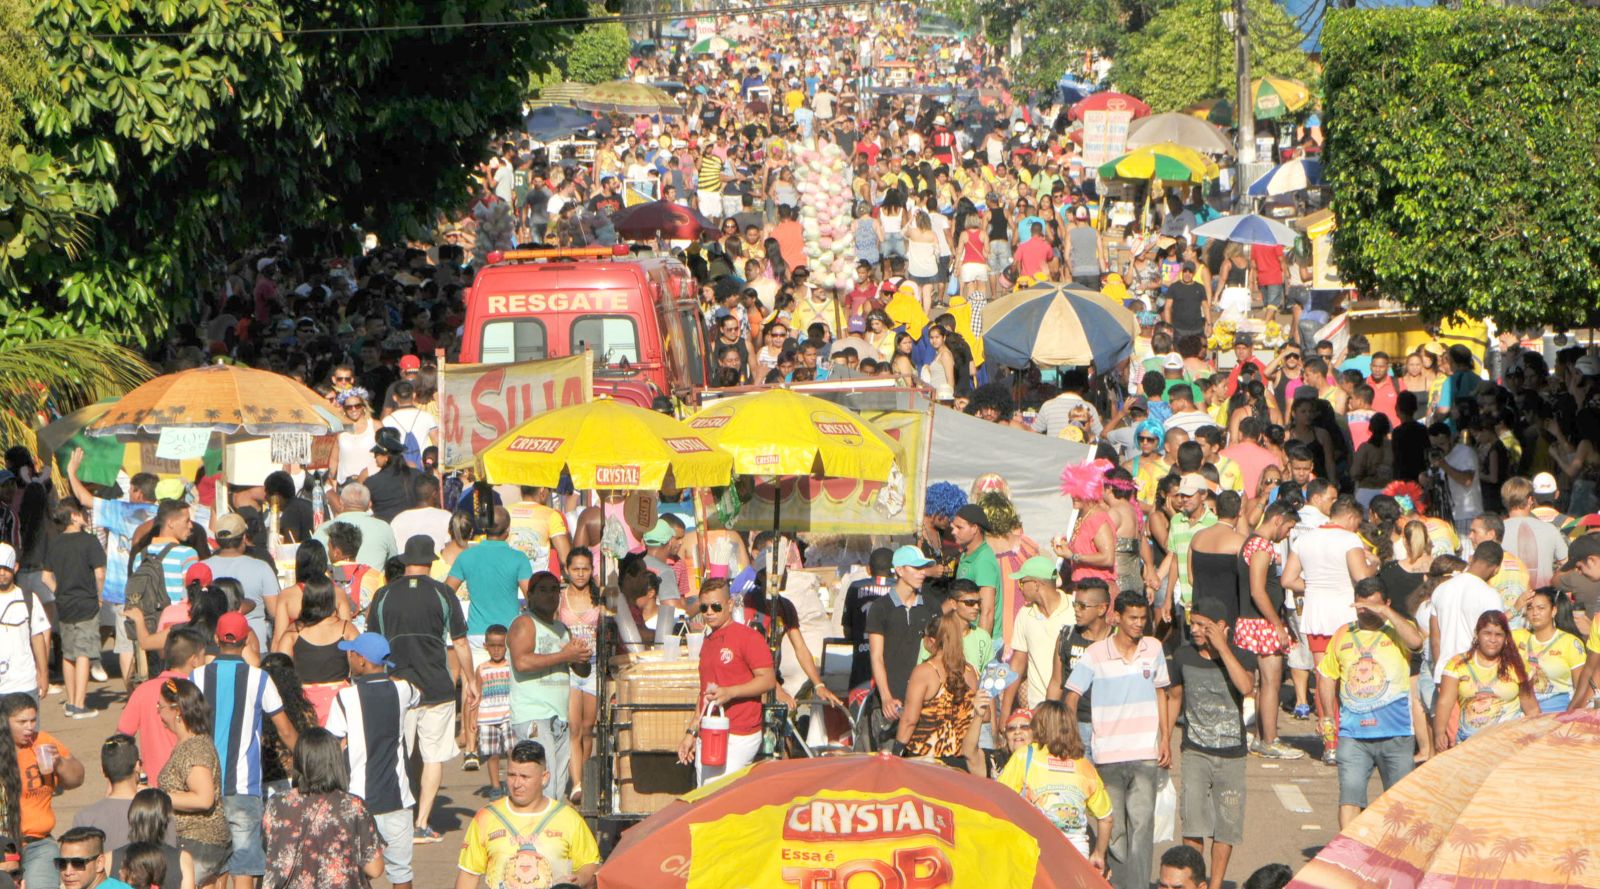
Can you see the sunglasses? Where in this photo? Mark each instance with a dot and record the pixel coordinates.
(714, 607)
(1077, 604)
(353, 404)
(344, 379)
(73, 863)
(1148, 438)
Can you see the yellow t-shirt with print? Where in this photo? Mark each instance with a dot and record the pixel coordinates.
(1486, 700)
(1552, 665)
(1067, 791)
(511, 850)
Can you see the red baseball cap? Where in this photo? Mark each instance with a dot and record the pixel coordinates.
(198, 572)
(232, 627)
(410, 362)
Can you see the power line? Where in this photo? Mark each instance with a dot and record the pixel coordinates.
(626, 18)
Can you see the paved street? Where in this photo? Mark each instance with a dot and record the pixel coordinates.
(1292, 806)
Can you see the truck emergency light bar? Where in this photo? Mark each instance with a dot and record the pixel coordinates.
(498, 256)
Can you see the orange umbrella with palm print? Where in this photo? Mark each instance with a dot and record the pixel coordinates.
(1508, 809)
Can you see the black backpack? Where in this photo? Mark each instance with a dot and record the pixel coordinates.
(147, 587)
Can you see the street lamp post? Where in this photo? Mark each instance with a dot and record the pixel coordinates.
(1244, 104)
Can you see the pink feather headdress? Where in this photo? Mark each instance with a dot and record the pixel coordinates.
(1084, 480)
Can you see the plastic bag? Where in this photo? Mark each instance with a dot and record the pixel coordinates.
(1166, 815)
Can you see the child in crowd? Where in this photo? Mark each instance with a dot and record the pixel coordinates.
(494, 708)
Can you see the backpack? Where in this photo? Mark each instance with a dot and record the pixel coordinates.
(147, 587)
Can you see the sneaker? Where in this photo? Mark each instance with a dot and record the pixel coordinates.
(97, 672)
(1302, 711)
(494, 793)
(80, 712)
(1330, 756)
(425, 835)
(469, 763)
(1279, 750)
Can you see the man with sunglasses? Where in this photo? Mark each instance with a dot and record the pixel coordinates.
(736, 669)
(83, 861)
(1091, 603)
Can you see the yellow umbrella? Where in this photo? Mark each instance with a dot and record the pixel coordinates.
(781, 432)
(605, 444)
(1275, 97)
(1166, 161)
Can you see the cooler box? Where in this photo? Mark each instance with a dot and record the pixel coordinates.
(647, 782)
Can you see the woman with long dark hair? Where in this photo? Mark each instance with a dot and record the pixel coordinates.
(939, 720)
(310, 561)
(1488, 684)
(192, 777)
(581, 611)
(150, 824)
(318, 836)
(1551, 646)
(276, 757)
(312, 642)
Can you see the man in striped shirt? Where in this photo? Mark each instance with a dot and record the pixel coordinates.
(1126, 673)
(369, 715)
(240, 695)
(709, 181)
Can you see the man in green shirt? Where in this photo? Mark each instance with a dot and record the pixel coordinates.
(1194, 515)
(978, 565)
(977, 645)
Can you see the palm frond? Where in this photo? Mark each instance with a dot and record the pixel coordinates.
(59, 376)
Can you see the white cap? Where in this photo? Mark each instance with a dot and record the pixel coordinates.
(1588, 365)
(263, 263)
(8, 557)
(1174, 362)
(1544, 483)
(1191, 484)
(939, 120)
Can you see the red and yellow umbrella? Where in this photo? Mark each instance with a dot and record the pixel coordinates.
(1505, 810)
(848, 821)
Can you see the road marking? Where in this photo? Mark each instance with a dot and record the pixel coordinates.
(1292, 799)
(1310, 827)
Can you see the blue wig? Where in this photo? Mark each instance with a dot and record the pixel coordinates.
(943, 500)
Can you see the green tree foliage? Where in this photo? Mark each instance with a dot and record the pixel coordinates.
(599, 53)
(1185, 54)
(1055, 33)
(1461, 151)
(180, 150)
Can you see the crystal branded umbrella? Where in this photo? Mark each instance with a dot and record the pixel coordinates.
(1248, 229)
(713, 45)
(858, 820)
(1053, 325)
(628, 97)
(1109, 101)
(782, 432)
(1287, 178)
(1179, 129)
(1505, 809)
(605, 444)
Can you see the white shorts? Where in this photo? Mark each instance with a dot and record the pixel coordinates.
(112, 614)
(431, 731)
(710, 203)
(974, 272)
(742, 751)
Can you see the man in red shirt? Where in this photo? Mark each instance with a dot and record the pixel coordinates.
(1385, 388)
(735, 671)
(1035, 254)
(184, 653)
(1268, 260)
(1244, 355)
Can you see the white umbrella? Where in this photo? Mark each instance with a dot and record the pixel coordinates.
(1248, 229)
(1182, 129)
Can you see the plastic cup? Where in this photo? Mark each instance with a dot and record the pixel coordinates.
(46, 754)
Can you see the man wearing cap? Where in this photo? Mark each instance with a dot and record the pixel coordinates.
(377, 538)
(256, 578)
(370, 715)
(410, 368)
(895, 624)
(1187, 309)
(1536, 542)
(240, 695)
(1544, 505)
(116, 521)
(858, 599)
(1044, 615)
(1210, 678)
(1194, 515)
(660, 546)
(24, 634)
(416, 614)
(979, 565)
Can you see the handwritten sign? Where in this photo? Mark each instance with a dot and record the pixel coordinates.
(291, 447)
(1105, 136)
(182, 443)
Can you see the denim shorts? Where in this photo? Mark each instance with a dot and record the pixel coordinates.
(1359, 756)
(397, 830)
(249, 856)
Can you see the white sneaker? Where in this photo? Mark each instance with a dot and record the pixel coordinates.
(97, 672)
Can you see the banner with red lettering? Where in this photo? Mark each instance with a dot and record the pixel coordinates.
(478, 403)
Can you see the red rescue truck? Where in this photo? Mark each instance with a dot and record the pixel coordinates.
(639, 316)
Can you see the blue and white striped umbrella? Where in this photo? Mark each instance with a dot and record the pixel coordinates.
(1055, 325)
(1248, 229)
(1296, 175)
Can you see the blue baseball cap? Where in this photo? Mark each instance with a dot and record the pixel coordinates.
(371, 646)
(910, 557)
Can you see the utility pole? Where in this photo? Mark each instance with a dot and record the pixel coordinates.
(1244, 104)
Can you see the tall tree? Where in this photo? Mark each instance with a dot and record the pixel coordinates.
(1185, 54)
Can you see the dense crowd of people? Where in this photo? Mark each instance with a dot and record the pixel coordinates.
(1396, 545)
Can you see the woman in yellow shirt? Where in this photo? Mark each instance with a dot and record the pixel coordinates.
(1488, 684)
(1551, 648)
(1053, 774)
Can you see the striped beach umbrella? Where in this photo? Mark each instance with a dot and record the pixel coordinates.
(1166, 161)
(1248, 228)
(1296, 175)
(1053, 325)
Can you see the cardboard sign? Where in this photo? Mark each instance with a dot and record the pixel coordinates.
(182, 443)
(1105, 136)
(291, 447)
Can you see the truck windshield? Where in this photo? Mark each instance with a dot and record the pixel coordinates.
(519, 339)
(615, 338)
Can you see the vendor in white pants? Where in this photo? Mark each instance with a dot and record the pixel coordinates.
(735, 671)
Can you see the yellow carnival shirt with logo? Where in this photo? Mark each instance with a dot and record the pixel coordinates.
(1552, 666)
(1067, 791)
(1373, 669)
(500, 846)
(1486, 699)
